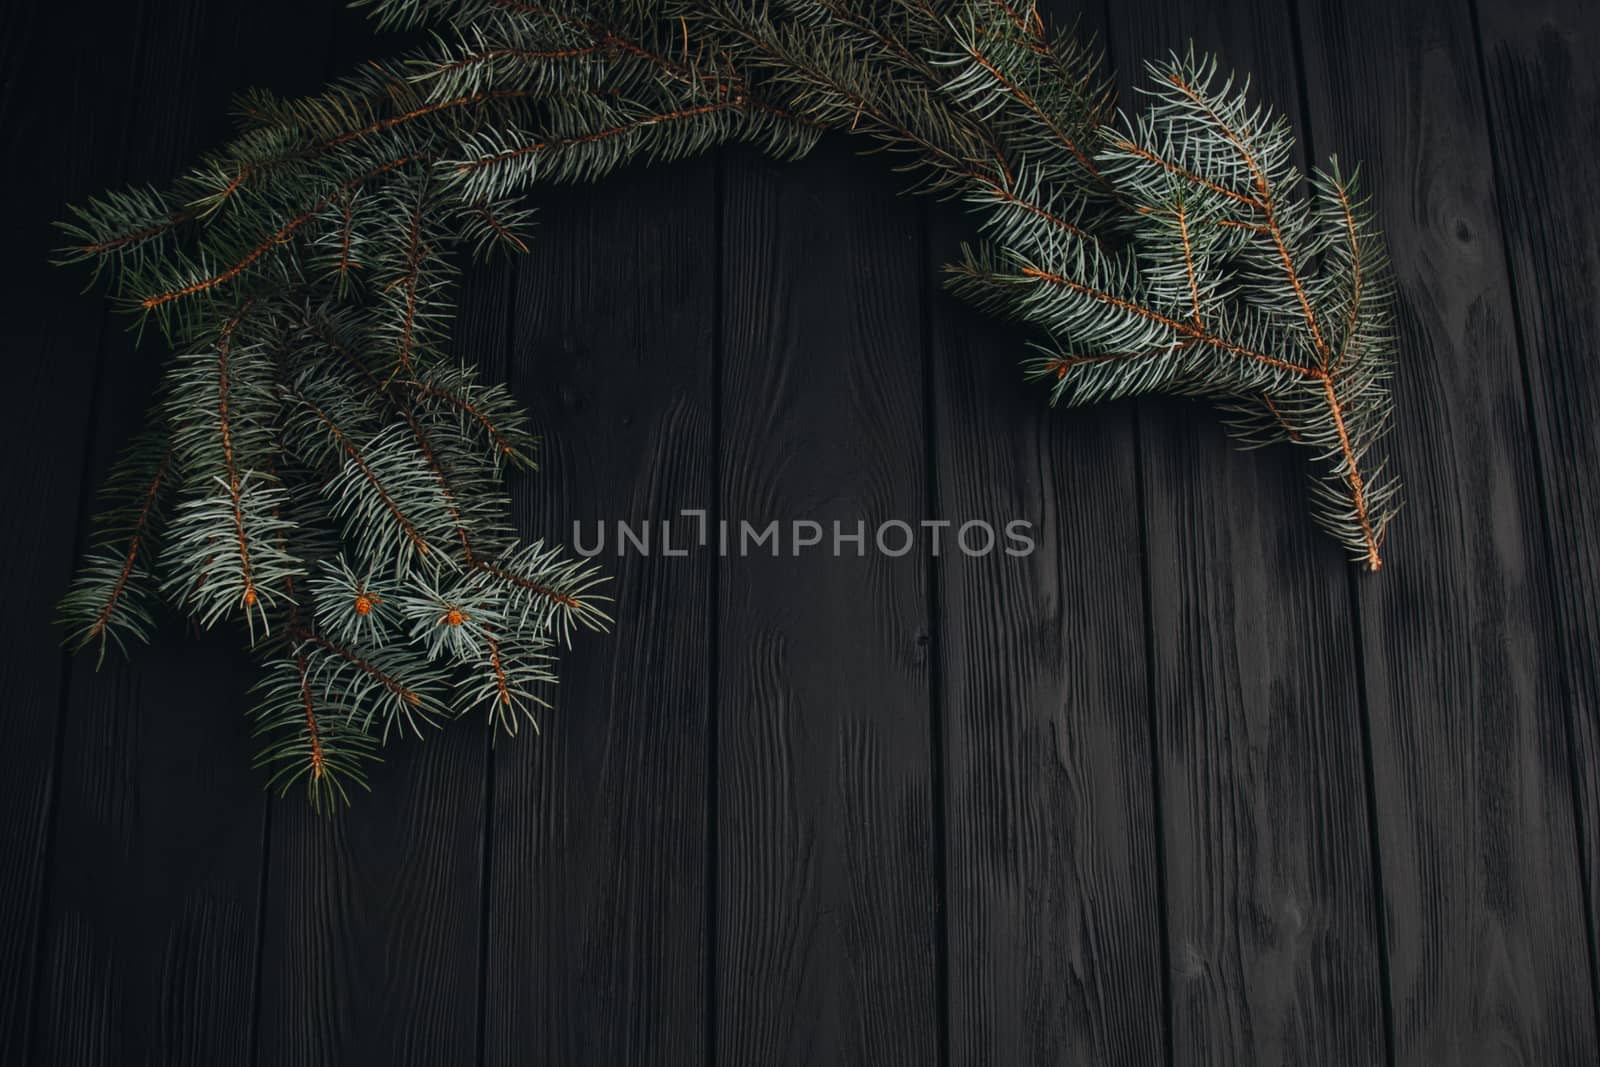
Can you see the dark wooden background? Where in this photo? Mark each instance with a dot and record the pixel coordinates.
(1182, 787)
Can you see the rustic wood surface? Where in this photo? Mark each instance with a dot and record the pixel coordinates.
(1179, 788)
(1269, 896)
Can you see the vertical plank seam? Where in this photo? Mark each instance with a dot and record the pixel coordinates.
(85, 498)
(253, 1052)
(714, 614)
(486, 892)
(1153, 719)
(1374, 846)
(1524, 361)
(1353, 593)
(934, 660)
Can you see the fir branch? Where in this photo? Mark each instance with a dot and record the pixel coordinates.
(112, 597)
(507, 681)
(308, 734)
(337, 480)
(208, 281)
(545, 591)
(361, 468)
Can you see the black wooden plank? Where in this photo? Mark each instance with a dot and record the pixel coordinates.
(1052, 843)
(1270, 909)
(372, 924)
(124, 975)
(597, 925)
(1484, 914)
(827, 936)
(156, 794)
(64, 149)
(1544, 112)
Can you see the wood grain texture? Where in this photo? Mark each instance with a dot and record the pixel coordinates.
(1482, 892)
(597, 937)
(1544, 112)
(1051, 842)
(72, 148)
(828, 933)
(372, 919)
(1270, 905)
